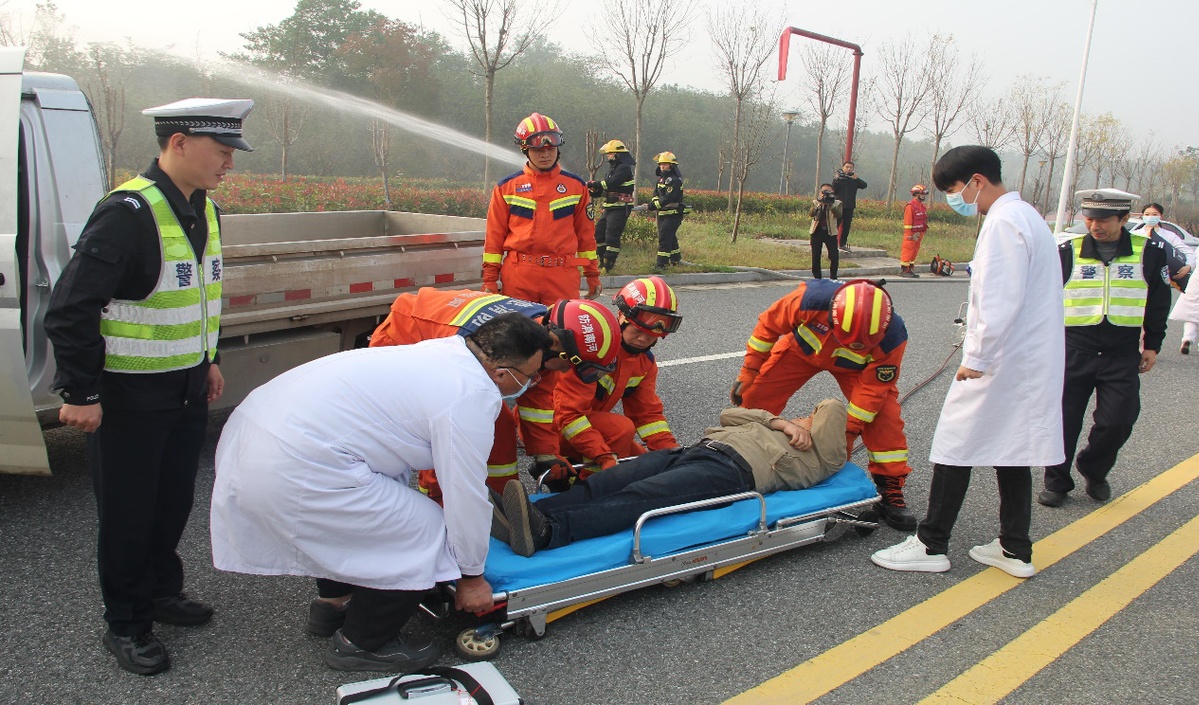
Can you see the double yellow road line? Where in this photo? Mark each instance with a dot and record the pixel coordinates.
(1005, 670)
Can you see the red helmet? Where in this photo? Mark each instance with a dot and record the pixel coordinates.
(537, 131)
(920, 189)
(589, 334)
(651, 305)
(861, 312)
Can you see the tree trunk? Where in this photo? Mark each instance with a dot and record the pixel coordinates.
(932, 190)
(488, 110)
(284, 142)
(1049, 181)
(1023, 174)
(894, 171)
(637, 149)
(819, 154)
(736, 146)
(737, 210)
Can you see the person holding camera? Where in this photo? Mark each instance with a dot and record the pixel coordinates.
(846, 185)
(826, 214)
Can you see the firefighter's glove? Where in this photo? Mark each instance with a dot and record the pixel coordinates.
(558, 472)
(594, 188)
(594, 287)
(606, 461)
(654, 204)
(735, 393)
(491, 287)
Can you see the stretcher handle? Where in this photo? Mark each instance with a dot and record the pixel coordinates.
(576, 467)
(700, 504)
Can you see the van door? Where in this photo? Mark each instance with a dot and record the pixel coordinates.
(22, 448)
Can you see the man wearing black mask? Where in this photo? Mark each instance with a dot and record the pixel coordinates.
(846, 185)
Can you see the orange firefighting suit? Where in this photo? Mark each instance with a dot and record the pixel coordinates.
(589, 429)
(538, 235)
(440, 313)
(793, 342)
(915, 225)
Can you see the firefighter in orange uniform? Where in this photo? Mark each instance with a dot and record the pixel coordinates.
(584, 335)
(915, 225)
(851, 331)
(538, 232)
(591, 433)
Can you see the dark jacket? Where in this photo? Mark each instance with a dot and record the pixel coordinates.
(846, 188)
(618, 185)
(118, 256)
(668, 193)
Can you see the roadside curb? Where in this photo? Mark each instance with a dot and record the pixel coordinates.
(755, 274)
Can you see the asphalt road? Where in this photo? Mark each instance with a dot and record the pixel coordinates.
(697, 643)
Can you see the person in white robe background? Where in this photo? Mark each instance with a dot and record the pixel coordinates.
(312, 478)
(1003, 408)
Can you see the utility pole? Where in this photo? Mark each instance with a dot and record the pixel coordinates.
(789, 116)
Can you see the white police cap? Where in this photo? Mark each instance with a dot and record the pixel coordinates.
(212, 117)
(1104, 202)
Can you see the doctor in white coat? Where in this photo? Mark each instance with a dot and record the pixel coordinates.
(1003, 408)
(312, 478)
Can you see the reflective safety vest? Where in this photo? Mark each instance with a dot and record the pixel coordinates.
(178, 324)
(1117, 291)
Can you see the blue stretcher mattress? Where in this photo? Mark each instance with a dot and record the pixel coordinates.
(670, 534)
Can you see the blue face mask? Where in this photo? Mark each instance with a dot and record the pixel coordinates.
(529, 382)
(1151, 220)
(959, 205)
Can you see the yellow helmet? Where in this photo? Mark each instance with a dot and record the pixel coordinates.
(613, 146)
(666, 158)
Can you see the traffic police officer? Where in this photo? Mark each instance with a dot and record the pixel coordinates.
(134, 320)
(1117, 290)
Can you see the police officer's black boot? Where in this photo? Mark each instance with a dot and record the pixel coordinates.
(893, 507)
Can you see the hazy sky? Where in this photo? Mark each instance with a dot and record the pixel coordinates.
(1142, 64)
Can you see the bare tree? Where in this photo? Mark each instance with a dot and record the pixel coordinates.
(381, 151)
(498, 31)
(1086, 154)
(1146, 161)
(1102, 134)
(992, 123)
(591, 154)
(952, 93)
(1122, 167)
(1031, 99)
(1055, 140)
(761, 131)
(286, 116)
(636, 38)
(901, 94)
(112, 66)
(828, 76)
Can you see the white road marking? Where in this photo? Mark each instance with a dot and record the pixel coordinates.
(701, 358)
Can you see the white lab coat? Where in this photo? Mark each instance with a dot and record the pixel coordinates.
(1015, 336)
(312, 469)
(1186, 309)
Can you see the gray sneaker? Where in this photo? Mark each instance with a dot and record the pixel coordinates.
(400, 655)
(529, 529)
(142, 654)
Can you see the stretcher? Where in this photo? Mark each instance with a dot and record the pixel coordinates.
(694, 541)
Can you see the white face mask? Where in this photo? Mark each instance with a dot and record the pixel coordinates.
(523, 388)
(1151, 220)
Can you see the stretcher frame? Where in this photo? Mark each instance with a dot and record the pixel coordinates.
(528, 611)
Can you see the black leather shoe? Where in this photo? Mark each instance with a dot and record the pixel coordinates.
(1099, 491)
(181, 610)
(324, 618)
(400, 655)
(1049, 498)
(142, 654)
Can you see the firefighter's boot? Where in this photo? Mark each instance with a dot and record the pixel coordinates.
(893, 507)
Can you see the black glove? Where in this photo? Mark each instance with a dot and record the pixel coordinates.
(735, 393)
(594, 188)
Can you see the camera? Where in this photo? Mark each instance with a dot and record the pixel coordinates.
(827, 197)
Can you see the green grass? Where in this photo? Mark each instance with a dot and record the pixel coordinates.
(706, 240)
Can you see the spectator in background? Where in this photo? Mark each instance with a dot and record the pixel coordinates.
(846, 185)
(825, 213)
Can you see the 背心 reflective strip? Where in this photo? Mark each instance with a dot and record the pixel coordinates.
(1093, 293)
(576, 427)
(607, 383)
(650, 429)
(853, 356)
(178, 324)
(807, 336)
(589, 254)
(542, 416)
(469, 310)
(634, 382)
(859, 413)
(501, 470)
(493, 258)
(759, 345)
(888, 456)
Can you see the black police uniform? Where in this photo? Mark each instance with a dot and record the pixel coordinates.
(617, 189)
(1104, 359)
(846, 188)
(145, 454)
(668, 202)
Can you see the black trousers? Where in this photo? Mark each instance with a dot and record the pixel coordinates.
(668, 239)
(1115, 381)
(947, 493)
(608, 230)
(144, 476)
(373, 617)
(822, 238)
(846, 222)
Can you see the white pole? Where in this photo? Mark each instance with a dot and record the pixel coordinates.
(1059, 224)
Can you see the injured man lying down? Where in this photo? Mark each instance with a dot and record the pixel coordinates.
(751, 451)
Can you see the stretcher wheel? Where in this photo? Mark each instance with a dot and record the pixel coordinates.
(868, 515)
(472, 647)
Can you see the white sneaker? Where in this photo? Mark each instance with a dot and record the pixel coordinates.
(911, 555)
(992, 554)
